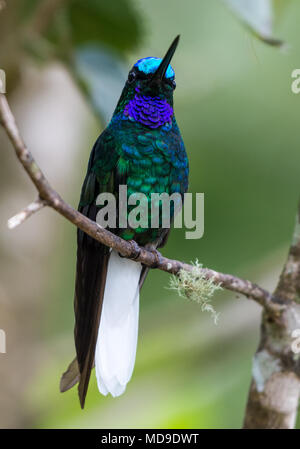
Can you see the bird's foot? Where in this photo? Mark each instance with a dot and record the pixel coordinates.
(136, 250)
(158, 257)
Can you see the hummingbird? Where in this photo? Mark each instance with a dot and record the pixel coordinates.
(141, 148)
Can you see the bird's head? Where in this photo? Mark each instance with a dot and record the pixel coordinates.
(154, 76)
(148, 93)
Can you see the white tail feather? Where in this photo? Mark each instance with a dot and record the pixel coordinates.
(118, 331)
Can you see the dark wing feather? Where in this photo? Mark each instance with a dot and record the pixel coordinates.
(92, 261)
(70, 377)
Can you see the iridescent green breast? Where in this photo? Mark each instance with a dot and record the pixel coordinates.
(151, 161)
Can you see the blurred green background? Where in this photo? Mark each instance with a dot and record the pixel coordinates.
(66, 62)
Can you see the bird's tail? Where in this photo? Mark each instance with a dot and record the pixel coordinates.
(70, 377)
(118, 331)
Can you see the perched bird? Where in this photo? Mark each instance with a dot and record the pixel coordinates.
(141, 148)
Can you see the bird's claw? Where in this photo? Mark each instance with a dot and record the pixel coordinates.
(158, 258)
(136, 250)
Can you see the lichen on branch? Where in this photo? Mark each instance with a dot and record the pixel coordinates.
(195, 286)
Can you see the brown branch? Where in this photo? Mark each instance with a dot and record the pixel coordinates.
(288, 286)
(128, 249)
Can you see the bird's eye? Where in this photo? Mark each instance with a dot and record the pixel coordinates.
(131, 77)
(174, 84)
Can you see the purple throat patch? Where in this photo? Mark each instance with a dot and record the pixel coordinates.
(150, 111)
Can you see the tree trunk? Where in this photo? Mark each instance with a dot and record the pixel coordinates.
(275, 388)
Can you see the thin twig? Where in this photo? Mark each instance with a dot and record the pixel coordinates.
(127, 249)
(22, 216)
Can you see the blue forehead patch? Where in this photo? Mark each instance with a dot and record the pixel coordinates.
(149, 65)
